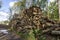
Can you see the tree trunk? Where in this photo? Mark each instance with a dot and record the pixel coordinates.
(59, 8)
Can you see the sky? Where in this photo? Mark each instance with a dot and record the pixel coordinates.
(4, 11)
(5, 5)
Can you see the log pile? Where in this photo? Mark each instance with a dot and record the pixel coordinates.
(31, 19)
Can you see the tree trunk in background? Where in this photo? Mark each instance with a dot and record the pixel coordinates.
(29, 3)
(59, 8)
(0, 3)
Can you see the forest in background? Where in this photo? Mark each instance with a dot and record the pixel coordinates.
(50, 9)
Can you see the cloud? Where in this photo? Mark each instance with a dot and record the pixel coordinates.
(3, 16)
(11, 4)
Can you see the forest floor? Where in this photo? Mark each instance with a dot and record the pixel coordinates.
(7, 35)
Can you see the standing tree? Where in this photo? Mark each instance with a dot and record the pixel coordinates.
(53, 10)
(59, 7)
(0, 3)
(17, 7)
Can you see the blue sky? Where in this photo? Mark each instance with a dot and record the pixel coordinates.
(5, 9)
(5, 5)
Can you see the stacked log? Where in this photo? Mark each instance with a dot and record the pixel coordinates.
(31, 19)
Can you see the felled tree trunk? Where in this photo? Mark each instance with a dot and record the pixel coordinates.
(33, 19)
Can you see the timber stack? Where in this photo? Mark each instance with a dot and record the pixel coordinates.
(31, 19)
